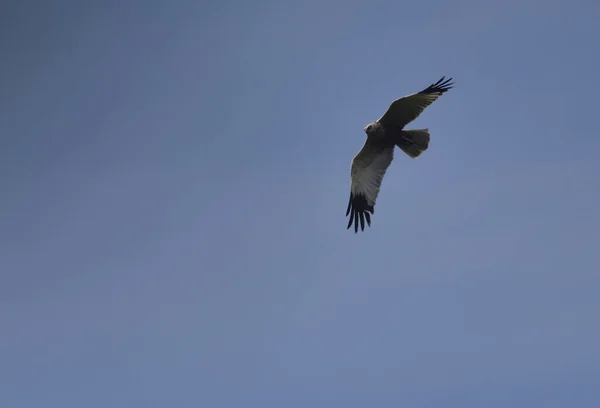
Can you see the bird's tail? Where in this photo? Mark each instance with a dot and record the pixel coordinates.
(413, 142)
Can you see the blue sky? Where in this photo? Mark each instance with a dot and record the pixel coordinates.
(175, 177)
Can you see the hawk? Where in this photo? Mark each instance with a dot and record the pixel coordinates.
(370, 164)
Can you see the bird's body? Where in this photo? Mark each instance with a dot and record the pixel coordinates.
(370, 164)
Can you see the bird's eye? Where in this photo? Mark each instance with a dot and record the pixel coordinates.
(369, 128)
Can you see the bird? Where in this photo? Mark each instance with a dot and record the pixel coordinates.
(372, 161)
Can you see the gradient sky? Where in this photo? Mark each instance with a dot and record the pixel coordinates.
(174, 180)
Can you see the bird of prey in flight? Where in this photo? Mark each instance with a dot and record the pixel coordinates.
(370, 164)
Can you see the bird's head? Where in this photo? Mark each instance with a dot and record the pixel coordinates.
(371, 128)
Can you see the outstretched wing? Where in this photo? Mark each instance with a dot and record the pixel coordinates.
(368, 168)
(404, 110)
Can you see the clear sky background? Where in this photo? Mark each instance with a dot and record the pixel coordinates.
(174, 180)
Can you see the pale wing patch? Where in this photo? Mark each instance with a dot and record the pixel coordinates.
(367, 174)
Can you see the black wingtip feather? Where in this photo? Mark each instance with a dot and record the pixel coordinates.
(349, 205)
(440, 86)
(351, 220)
(359, 210)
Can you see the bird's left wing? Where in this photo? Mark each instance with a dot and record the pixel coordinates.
(404, 110)
(368, 168)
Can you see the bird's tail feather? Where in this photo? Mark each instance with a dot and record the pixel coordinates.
(413, 142)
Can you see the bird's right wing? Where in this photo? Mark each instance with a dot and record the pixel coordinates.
(404, 110)
(368, 168)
